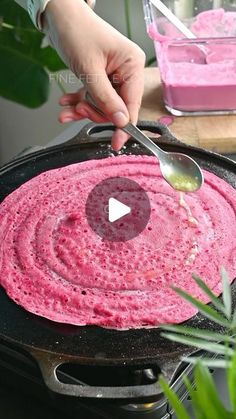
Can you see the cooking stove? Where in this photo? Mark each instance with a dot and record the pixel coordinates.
(23, 393)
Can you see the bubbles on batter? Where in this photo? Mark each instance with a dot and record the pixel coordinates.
(127, 276)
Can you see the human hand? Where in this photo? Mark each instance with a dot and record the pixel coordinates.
(110, 65)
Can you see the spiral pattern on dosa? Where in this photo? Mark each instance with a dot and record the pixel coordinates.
(54, 265)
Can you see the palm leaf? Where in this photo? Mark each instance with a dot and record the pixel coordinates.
(215, 300)
(231, 380)
(208, 394)
(216, 348)
(206, 310)
(227, 295)
(199, 333)
(205, 399)
(196, 403)
(178, 407)
(208, 362)
(233, 323)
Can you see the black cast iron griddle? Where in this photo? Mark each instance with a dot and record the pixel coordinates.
(53, 344)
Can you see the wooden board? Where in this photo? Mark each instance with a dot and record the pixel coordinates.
(216, 133)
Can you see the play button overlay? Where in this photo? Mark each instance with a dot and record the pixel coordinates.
(118, 209)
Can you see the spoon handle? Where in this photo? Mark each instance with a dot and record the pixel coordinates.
(132, 130)
(143, 139)
(173, 19)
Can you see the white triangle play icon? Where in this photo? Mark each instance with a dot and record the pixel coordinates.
(117, 210)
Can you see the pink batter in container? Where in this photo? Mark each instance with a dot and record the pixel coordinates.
(198, 75)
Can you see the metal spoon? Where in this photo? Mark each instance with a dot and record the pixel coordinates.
(179, 170)
(173, 19)
(180, 26)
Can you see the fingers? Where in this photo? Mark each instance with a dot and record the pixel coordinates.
(81, 111)
(132, 88)
(78, 108)
(69, 115)
(84, 108)
(107, 99)
(119, 138)
(131, 91)
(70, 99)
(119, 108)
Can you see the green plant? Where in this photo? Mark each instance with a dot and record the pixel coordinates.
(205, 399)
(25, 63)
(127, 19)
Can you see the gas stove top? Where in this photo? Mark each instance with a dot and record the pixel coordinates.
(23, 393)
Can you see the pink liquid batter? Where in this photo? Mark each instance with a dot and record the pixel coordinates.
(54, 265)
(198, 77)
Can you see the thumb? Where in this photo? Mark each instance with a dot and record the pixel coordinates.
(107, 99)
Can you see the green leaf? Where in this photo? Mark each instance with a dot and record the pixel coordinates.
(227, 296)
(50, 59)
(151, 61)
(199, 333)
(216, 348)
(208, 362)
(208, 311)
(23, 39)
(14, 14)
(176, 403)
(233, 323)
(22, 79)
(127, 19)
(196, 404)
(231, 381)
(215, 301)
(208, 394)
(23, 75)
(205, 398)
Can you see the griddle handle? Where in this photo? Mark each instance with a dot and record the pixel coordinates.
(89, 131)
(49, 363)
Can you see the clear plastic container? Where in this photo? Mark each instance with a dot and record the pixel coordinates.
(198, 75)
